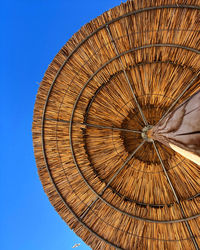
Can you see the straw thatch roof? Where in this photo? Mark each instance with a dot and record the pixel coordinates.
(120, 72)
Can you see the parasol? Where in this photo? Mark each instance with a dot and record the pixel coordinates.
(97, 128)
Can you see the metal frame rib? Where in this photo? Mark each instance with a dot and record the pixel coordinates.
(176, 197)
(113, 177)
(126, 76)
(95, 125)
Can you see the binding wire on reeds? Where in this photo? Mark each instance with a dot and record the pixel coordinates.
(114, 79)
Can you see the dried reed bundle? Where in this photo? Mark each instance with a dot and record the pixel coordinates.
(116, 76)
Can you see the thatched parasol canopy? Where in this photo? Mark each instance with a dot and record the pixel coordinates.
(108, 85)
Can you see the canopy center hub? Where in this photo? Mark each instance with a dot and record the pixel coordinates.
(145, 134)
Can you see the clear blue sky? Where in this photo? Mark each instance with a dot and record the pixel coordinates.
(31, 34)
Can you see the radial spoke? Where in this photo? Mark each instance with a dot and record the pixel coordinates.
(111, 180)
(179, 97)
(88, 209)
(126, 76)
(165, 171)
(120, 169)
(97, 126)
(176, 197)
